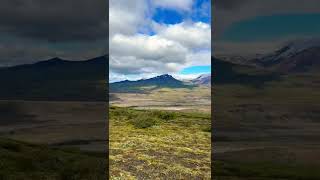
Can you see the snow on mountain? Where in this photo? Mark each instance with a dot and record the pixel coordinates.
(204, 79)
(289, 50)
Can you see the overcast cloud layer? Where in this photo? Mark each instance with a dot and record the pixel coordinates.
(33, 30)
(142, 48)
(228, 12)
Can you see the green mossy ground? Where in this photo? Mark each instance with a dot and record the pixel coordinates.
(153, 144)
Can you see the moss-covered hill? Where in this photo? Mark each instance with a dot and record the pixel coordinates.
(148, 144)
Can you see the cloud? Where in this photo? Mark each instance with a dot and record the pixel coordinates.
(187, 76)
(184, 5)
(125, 17)
(229, 4)
(148, 47)
(59, 20)
(167, 51)
(245, 49)
(34, 30)
(192, 35)
(229, 12)
(198, 58)
(135, 53)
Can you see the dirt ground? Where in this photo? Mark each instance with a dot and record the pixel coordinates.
(166, 99)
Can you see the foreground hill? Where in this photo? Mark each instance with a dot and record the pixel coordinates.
(55, 79)
(142, 85)
(157, 137)
(26, 161)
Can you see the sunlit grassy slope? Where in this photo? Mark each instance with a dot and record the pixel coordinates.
(152, 144)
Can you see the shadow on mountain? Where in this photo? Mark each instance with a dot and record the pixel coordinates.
(229, 73)
(56, 79)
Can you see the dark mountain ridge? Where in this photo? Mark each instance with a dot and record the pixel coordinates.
(294, 57)
(56, 79)
(225, 72)
(161, 81)
(302, 61)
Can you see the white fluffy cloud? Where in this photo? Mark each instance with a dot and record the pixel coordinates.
(192, 35)
(126, 16)
(199, 58)
(148, 47)
(135, 55)
(174, 4)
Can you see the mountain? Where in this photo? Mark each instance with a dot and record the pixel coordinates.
(226, 72)
(162, 81)
(296, 56)
(204, 79)
(56, 79)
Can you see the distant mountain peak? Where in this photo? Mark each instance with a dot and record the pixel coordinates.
(203, 79)
(56, 59)
(52, 61)
(160, 81)
(163, 76)
(297, 46)
(204, 75)
(295, 56)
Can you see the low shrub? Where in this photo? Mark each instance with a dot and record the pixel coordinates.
(165, 115)
(144, 122)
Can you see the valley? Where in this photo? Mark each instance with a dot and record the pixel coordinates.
(167, 99)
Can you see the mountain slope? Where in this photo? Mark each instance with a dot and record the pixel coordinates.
(297, 56)
(226, 72)
(147, 84)
(204, 79)
(55, 79)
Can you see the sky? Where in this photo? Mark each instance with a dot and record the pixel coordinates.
(36, 30)
(153, 37)
(251, 27)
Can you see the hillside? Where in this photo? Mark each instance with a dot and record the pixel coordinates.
(204, 80)
(306, 60)
(300, 56)
(143, 85)
(55, 79)
(26, 161)
(227, 72)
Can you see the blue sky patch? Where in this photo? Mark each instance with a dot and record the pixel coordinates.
(196, 70)
(167, 16)
(201, 11)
